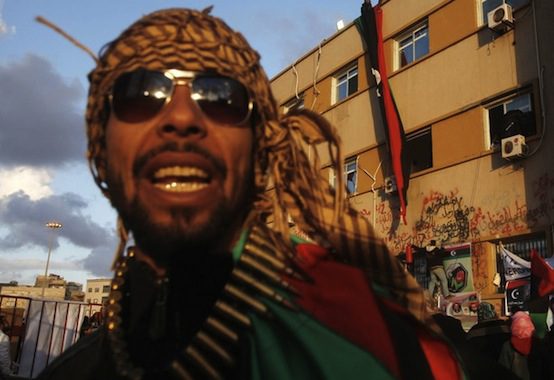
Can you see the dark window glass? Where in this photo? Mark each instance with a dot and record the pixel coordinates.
(347, 84)
(420, 150)
(514, 116)
(413, 45)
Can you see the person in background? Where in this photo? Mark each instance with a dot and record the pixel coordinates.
(5, 356)
(435, 257)
(515, 352)
(490, 333)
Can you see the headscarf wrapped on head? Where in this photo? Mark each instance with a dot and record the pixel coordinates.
(196, 41)
(522, 332)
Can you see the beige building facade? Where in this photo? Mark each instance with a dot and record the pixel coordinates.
(97, 290)
(467, 95)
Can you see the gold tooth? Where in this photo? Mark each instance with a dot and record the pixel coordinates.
(180, 371)
(203, 363)
(233, 313)
(262, 288)
(213, 345)
(245, 298)
(222, 329)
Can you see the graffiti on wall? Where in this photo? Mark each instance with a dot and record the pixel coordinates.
(445, 217)
(449, 218)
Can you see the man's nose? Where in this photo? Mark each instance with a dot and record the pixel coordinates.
(182, 117)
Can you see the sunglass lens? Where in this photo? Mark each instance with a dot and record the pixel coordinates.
(139, 95)
(222, 99)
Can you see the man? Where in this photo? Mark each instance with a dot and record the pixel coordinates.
(184, 137)
(435, 257)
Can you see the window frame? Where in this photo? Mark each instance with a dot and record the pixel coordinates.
(296, 103)
(332, 176)
(354, 162)
(504, 100)
(410, 33)
(338, 81)
(420, 133)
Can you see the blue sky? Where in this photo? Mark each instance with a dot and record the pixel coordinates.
(43, 173)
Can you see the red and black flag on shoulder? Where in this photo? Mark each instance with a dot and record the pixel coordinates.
(370, 27)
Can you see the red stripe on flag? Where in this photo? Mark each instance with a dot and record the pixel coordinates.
(393, 122)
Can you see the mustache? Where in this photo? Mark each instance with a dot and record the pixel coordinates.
(172, 146)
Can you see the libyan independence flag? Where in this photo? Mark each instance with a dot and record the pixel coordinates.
(370, 27)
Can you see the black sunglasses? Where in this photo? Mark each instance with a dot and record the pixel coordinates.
(139, 95)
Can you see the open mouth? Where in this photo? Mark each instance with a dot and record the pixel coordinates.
(180, 178)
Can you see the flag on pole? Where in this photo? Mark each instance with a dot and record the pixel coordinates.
(370, 26)
(514, 266)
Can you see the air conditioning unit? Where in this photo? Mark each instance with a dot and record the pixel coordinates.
(513, 147)
(390, 185)
(501, 19)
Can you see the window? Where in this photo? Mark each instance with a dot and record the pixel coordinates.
(90, 290)
(512, 116)
(106, 289)
(412, 45)
(350, 175)
(419, 148)
(294, 104)
(346, 84)
(96, 290)
(489, 5)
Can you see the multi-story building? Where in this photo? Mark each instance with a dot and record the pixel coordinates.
(97, 290)
(476, 100)
(52, 281)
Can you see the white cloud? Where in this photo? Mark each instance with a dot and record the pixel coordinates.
(33, 182)
(4, 27)
(16, 265)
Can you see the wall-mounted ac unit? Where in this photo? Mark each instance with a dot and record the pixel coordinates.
(514, 147)
(390, 185)
(501, 19)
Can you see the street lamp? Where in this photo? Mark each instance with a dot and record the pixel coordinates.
(53, 226)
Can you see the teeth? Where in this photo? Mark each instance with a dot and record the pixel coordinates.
(180, 171)
(181, 187)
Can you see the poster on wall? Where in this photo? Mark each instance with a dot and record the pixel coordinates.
(458, 268)
(462, 306)
(518, 293)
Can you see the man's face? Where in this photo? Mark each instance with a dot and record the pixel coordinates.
(180, 178)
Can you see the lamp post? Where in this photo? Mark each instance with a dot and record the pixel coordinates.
(53, 226)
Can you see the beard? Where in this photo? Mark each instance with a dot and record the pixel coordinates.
(168, 243)
(177, 242)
